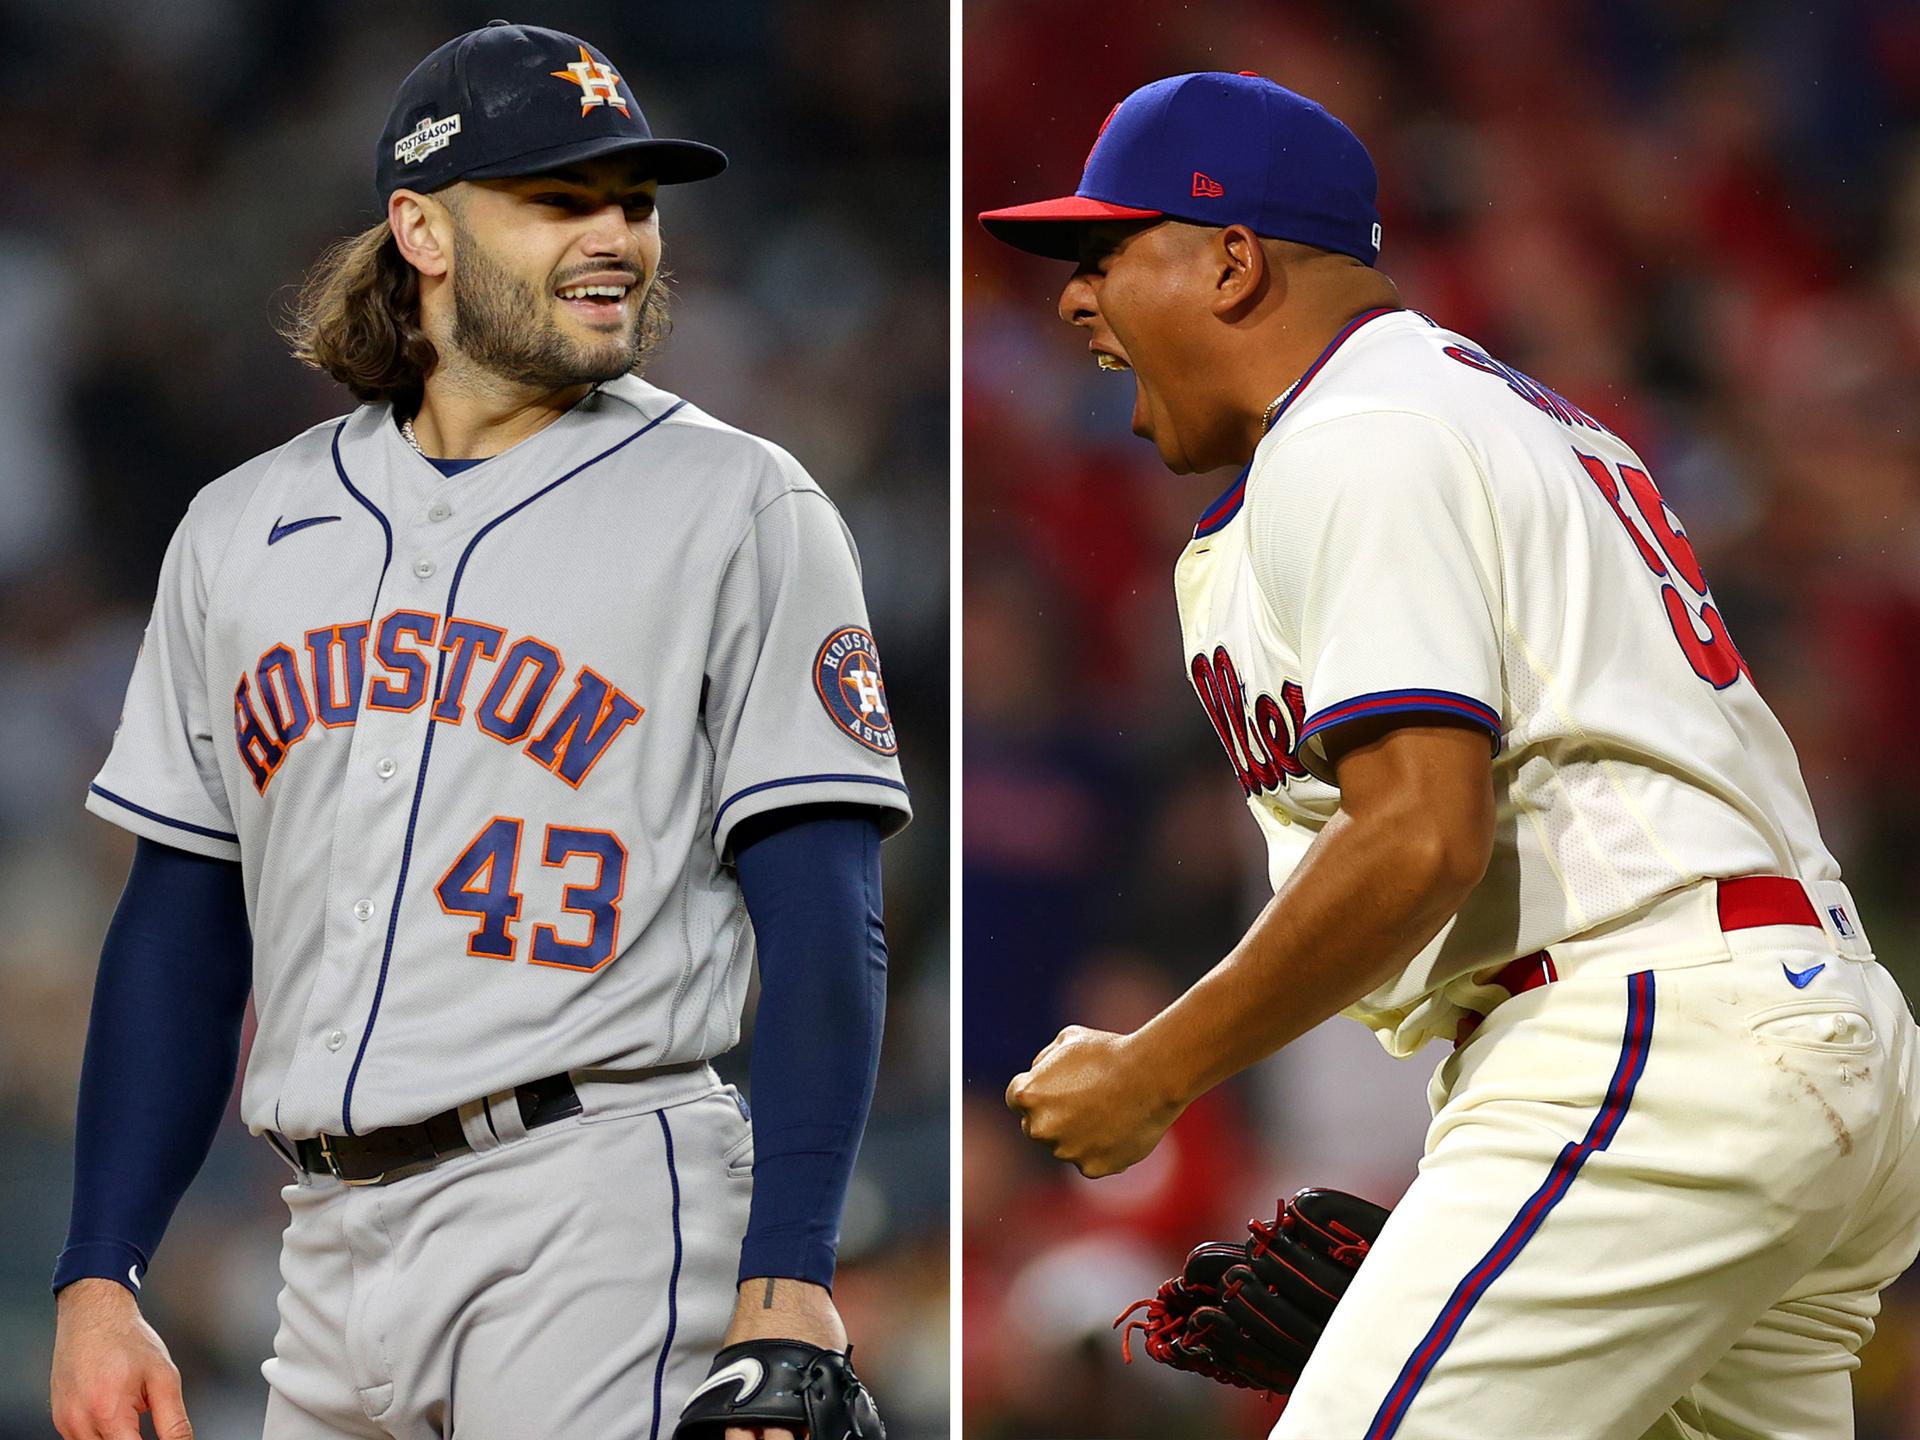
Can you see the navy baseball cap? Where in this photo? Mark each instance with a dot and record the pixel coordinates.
(1215, 149)
(517, 100)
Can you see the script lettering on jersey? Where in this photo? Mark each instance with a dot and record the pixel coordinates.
(1260, 739)
(1527, 388)
(512, 691)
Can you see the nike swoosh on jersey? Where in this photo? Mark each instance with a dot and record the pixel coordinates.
(281, 531)
(1799, 979)
(746, 1372)
(133, 1274)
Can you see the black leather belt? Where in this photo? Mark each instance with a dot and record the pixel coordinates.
(382, 1156)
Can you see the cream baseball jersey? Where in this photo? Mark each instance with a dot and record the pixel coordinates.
(479, 742)
(1426, 529)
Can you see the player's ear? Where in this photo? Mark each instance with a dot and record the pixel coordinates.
(420, 229)
(1242, 271)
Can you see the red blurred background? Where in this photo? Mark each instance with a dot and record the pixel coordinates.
(1699, 220)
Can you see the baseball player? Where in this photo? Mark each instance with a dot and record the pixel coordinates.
(470, 731)
(1521, 795)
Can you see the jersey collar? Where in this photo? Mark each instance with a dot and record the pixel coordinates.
(1228, 505)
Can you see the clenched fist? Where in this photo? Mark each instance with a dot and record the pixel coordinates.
(1092, 1100)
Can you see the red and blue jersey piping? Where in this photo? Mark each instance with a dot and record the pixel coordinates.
(1389, 702)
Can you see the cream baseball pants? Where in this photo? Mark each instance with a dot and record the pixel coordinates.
(1660, 1197)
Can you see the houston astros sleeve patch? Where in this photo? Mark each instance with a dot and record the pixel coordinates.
(846, 675)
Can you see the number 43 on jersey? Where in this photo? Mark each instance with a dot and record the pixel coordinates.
(483, 883)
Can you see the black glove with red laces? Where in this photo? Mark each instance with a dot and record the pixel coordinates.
(1249, 1313)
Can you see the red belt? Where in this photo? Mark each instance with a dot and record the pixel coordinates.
(1745, 903)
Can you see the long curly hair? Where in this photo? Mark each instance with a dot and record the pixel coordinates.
(357, 317)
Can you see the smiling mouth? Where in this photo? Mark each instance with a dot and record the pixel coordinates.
(595, 303)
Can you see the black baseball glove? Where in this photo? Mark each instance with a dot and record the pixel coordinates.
(789, 1383)
(1249, 1314)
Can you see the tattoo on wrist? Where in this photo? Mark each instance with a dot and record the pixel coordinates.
(766, 1300)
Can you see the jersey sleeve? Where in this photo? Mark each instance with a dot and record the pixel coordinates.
(162, 777)
(796, 708)
(1374, 543)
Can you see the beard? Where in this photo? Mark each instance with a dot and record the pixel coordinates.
(504, 325)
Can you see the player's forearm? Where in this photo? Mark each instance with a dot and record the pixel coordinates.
(811, 880)
(779, 1308)
(1370, 893)
(162, 1045)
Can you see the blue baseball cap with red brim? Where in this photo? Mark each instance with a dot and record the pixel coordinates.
(1215, 149)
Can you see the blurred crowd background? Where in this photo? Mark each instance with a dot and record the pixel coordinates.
(169, 172)
(1699, 220)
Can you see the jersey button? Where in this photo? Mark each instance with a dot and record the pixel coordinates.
(424, 569)
(335, 1039)
(439, 510)
(386, 767)
(363, 909)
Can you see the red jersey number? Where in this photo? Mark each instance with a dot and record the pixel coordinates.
(1712, 655)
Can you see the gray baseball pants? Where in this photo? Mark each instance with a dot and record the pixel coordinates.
(570, 1283)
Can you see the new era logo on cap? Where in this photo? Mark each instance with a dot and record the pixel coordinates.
(1205, 186)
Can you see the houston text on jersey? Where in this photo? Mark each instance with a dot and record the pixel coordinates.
(278, 703)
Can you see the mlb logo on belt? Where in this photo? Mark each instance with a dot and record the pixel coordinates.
(599, 84)
(1842, 926)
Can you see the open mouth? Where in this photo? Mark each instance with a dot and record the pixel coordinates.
(1106, 360)
(595, 303)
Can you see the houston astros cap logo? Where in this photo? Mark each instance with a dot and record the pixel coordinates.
(846, 674)
(599, 84)
(438, 131)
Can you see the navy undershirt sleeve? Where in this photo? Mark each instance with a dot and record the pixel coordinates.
(162, 1047)
(811, 878)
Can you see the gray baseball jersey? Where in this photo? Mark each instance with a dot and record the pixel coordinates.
(479, 742)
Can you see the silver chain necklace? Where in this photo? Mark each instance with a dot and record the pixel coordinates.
(1267, 416)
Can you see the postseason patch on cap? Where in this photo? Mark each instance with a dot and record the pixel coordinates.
(846, 674)
(425, 138)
